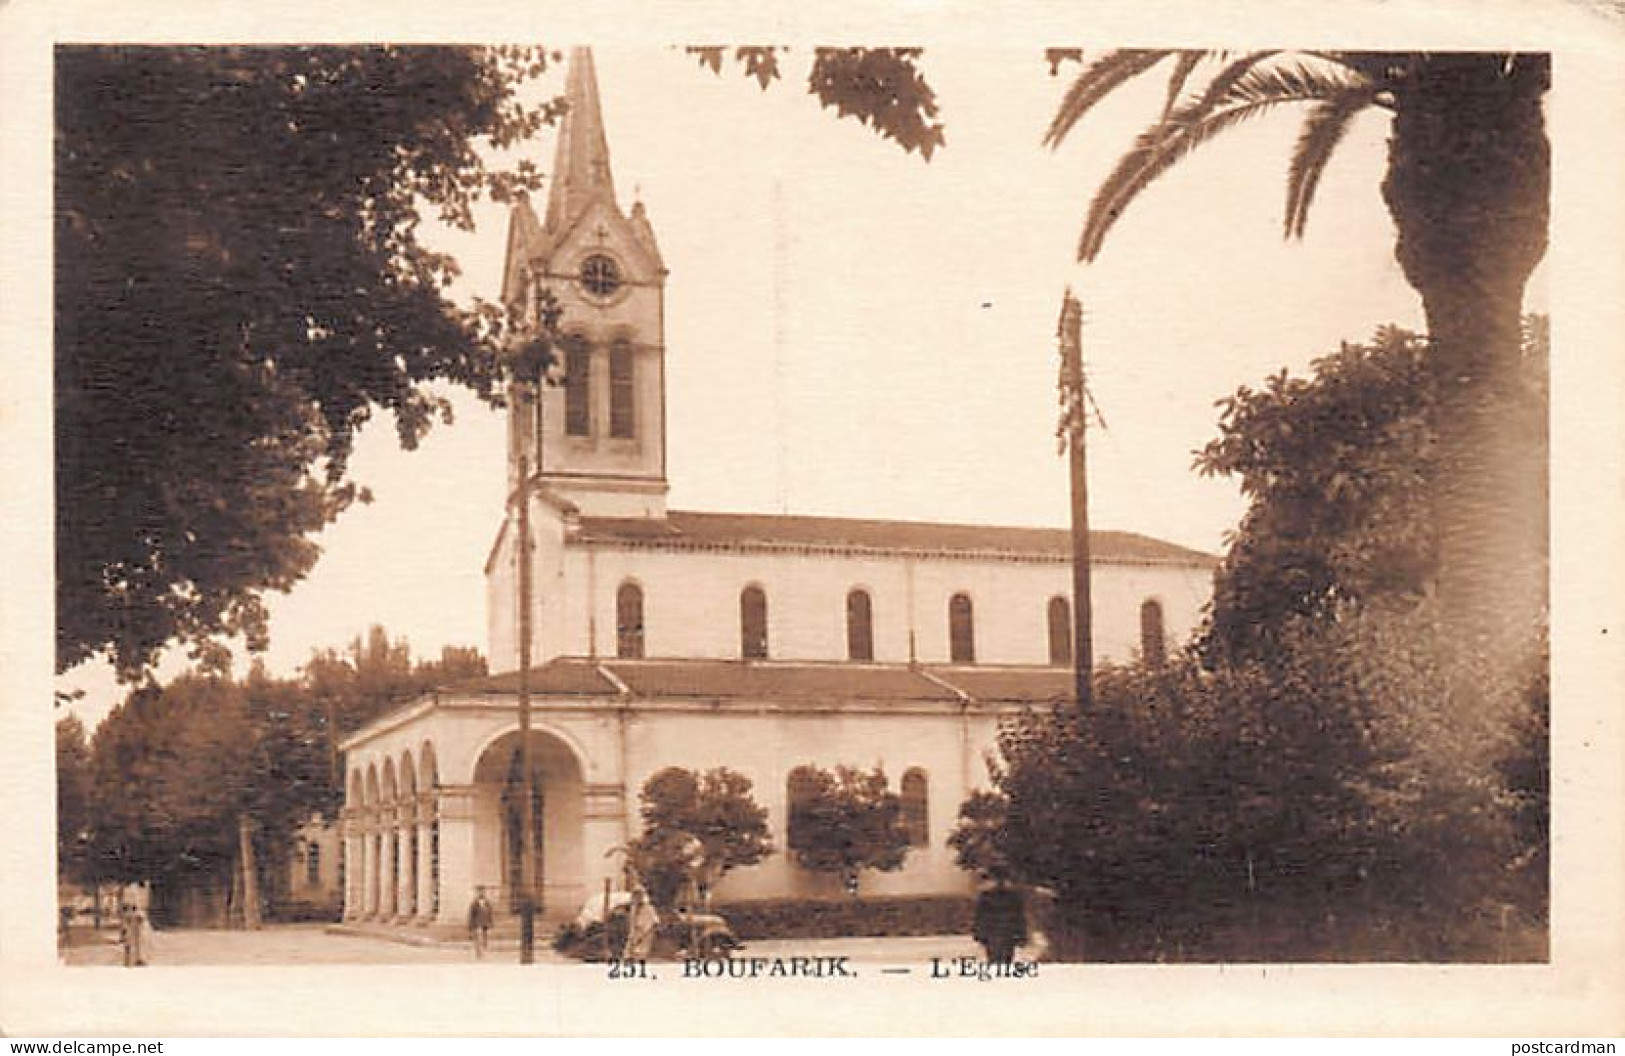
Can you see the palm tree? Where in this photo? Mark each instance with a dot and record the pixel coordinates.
(1467, 186)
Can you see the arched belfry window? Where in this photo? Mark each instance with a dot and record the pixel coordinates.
(577, 387)
(1060, 631)
(622, 392)
(629, 621)
(916, 804)
(1153, 637)
(961, 630)
(753, 623)
(860, 631)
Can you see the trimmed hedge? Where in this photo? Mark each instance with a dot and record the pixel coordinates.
(299, 911)
(807, 918)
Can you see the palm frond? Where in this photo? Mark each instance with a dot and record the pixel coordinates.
(1294, 82)
(1323, 130)
(1252, 92)
(1223, 81)
(1188, 61)
(1102, 77)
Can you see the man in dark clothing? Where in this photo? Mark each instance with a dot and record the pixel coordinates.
(480, 918)
(1001, 923)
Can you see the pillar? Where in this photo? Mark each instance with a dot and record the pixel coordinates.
(389, 866)
(455, 810)
(406, 891)
(355, 874)
(425, 870)
(369, 858)
(348, 824)
(346, 904)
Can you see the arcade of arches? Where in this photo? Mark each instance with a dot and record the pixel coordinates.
(416, 844)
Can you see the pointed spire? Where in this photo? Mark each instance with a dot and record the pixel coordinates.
(581, 173)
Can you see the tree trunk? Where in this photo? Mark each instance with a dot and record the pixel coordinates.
(250, 884)
(1468, 186)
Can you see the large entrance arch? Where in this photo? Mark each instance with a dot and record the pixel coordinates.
(498, 793)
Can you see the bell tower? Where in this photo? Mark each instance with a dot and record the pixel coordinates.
(597, 440)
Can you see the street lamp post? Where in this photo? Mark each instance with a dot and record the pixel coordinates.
(527, 808)
(526, 365)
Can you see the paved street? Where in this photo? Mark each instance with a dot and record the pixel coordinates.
(277, 944)
(312, 944)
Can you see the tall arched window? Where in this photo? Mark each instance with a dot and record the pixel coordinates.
(1153, 640)
(577, 387)
(800, 788)
(629, 621)
(753, 623)
(961, 630)
(1060, 631)
(916, 807)
(860, 631)
(622, 406)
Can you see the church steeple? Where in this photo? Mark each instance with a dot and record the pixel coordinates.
(598, 441)
(581, 172)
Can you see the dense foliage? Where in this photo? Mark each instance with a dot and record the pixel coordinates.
(376, 673)
(1338, 802)
(75, 809)
(172, 772)
(845, 821)
(1331, 773)
(175, 768)
(980, 840)
(240, 284)
(697, 826)
(1335, 466)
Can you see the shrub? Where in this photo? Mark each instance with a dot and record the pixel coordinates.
(845, 822)
(1340, 796)
(697, 827)
(790, 918)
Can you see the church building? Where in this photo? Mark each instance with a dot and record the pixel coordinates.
(663, 637)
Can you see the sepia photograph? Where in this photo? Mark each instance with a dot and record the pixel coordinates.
(670, 519)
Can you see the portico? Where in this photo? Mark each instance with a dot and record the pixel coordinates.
(435, 793)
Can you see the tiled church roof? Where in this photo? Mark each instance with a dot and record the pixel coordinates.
(769, 680)
(687, 528)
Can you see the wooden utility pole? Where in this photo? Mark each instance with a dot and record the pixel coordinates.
(1074, 426)
(527, 808)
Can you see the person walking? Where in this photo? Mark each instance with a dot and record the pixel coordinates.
(1000, 923)
(133, 933)
(480, 918)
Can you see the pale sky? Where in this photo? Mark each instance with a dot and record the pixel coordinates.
(855, 332)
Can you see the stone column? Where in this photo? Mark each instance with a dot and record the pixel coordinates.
(455, 809)
(369, 866)
(389, 871)
(425, 869)
(355, 873)
(344, 849)
(406, 826)
(349, 823)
